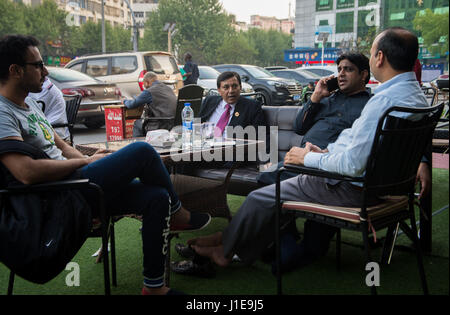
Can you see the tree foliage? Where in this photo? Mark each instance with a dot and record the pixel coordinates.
(48, 24)
(434, 30)
(203, 28)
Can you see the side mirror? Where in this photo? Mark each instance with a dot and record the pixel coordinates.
(245, 78)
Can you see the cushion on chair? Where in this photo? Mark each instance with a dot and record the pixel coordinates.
(390, 205)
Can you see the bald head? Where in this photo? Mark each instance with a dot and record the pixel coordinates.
(399, 46)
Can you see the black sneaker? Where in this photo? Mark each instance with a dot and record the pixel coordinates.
(197, 222)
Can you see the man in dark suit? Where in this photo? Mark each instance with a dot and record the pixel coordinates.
(230, 109)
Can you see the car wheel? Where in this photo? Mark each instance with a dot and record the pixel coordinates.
(267, 100)
(94, 123)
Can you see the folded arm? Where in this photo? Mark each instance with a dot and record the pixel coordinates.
(30, 171)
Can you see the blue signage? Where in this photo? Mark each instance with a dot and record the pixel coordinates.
(311, 55)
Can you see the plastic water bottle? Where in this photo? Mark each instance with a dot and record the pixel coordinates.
(187, 117)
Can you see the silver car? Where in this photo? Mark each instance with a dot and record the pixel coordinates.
(95, 93)
(208, 81)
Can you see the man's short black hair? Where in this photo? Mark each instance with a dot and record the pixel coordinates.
(359, 60)
(228, 75)
(13, 50)
(400, 46)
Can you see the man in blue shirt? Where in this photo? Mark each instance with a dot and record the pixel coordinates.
(393, 55)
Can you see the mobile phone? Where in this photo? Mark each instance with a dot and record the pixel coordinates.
(332, 85)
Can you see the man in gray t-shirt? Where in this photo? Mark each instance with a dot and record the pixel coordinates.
(32, 123)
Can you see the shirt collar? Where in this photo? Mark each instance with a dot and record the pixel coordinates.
(406, 76)
(223, 104)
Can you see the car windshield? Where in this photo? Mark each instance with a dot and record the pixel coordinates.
(68, 75)
(207, 73)
(259, 73)
(308, 74)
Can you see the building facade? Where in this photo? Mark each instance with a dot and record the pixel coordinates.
(272, 23)
(348, 22)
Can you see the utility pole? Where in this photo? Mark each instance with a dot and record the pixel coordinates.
(169, 28)
(135, 31)
(103, 27)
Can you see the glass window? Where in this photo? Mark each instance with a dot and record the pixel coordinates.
(68, 75)
(77, 66)
(343, 4)
(208, 73)
(324, 5)
(258, 72)
(161, 64)
(363, 3)
(397, 16)
(125, 64)
(97, 67)
(344, 22)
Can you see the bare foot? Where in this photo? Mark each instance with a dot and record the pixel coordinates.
(215, 253)
(208, 240)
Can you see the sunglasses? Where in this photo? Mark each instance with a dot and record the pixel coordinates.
(37, 64)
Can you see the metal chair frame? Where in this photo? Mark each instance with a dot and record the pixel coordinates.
(398, 147)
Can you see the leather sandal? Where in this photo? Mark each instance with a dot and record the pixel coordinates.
(184, 251)
(189, 267)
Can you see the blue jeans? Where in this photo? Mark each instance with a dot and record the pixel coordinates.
(135, 181)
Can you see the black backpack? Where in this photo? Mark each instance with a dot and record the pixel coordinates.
(39, 232)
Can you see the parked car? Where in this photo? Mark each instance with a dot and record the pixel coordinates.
(301, 76)
(208, 81)
(271, 68)
(95, 93)
(276, 91)
(322, 71)
(127, 69)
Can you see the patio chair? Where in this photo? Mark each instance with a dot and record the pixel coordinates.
(191, 93)
(398, 147)
(65, 185)
(72, 106)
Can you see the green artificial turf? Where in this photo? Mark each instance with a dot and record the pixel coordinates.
(400, 277)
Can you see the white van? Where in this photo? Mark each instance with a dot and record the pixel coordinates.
(127, 69)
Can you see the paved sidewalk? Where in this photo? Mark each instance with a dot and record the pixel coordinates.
(440, 160)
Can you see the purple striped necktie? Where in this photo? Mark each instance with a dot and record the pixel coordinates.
(223, 121)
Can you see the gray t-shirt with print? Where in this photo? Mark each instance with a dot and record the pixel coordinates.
(30, 124)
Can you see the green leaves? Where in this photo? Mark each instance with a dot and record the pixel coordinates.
(434, 30)
(203, 27)
(205, 30)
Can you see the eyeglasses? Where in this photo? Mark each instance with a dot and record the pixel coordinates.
(37, 64)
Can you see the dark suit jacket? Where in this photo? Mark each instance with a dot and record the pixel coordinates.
(246, 113)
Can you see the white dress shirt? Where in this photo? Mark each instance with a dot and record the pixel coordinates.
(220, 109)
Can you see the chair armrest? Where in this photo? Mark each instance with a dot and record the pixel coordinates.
(159, 118)
(51, 186)
(319, 173)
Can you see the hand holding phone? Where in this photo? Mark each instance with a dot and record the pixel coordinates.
(332, 85)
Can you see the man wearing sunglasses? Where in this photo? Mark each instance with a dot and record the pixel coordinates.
(152, 196)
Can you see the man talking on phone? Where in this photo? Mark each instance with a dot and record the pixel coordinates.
(335, 104)
(331, 108)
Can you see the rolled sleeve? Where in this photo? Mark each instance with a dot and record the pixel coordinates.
(312, 159)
